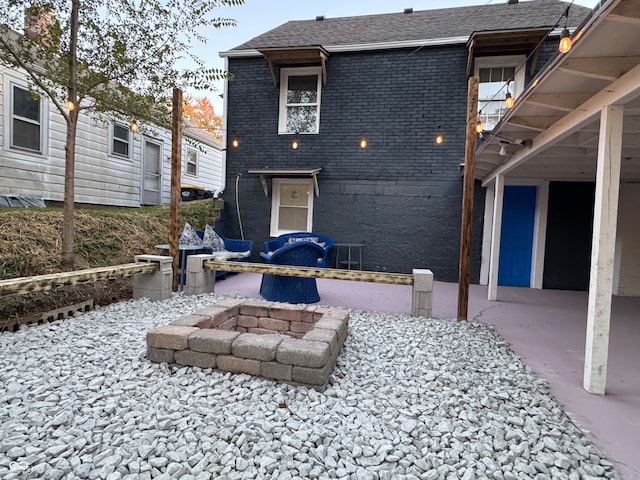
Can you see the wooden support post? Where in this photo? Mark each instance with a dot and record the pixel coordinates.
(176, 167)
(496, 230)
(603, 248)
(467, 199)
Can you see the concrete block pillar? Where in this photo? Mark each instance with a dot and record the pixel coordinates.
(199, 280)
(156, 285)
(422, 298)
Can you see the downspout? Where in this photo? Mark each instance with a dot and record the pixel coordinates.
(225, 104)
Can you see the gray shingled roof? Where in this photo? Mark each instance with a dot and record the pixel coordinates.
(417, 26)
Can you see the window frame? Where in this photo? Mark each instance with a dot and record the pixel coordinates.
(285, 73)
(187, 162)
(274, 231)
(113, 139)
(9, 84)
(516, 87)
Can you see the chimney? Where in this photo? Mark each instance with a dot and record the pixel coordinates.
(408, 10)
(512, 2)
(320, 18)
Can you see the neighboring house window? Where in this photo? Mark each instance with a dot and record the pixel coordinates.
(291, 205)
(494, 73)
(300, 100)
(26, 117)
(120, 144)
(192, 162)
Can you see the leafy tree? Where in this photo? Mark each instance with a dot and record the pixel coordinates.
(201, 112)
(106, 56)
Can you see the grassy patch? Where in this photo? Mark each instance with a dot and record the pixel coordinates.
(31, 240)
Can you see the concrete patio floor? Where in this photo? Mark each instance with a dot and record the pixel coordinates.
(546, 328)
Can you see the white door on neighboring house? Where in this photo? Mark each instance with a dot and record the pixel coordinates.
(152, 175)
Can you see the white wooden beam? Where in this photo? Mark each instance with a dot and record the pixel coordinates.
(621, 91)
(486, 235)
(603, 248)
(540, 235)
(496, 230)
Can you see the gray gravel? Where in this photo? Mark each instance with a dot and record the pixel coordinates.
(410, 399)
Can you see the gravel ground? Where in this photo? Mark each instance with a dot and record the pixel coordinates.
(409, 399)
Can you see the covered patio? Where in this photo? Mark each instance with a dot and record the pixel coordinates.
(578, 122)
(544, 327)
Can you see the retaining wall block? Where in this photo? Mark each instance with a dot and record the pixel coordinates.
(303, 353)
(321, 335)
(195, 359)
(286, 311)
(247, 321)
(173, 337)
(257, 347)
(301, 327)
(255, 308)
(229, 363)
(273, 324)
(193, 320)
(212, 341)
(277, 371)
(160, 355)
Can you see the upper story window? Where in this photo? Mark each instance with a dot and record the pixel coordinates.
(192, 162)
(494, 73)
(300, 100)
(120, 142)
(26, 118)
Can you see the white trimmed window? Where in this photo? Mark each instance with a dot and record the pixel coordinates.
(26, 120)
(192, 162)
(291, 205)
(494, 73)
(300, 100)
(120, 140)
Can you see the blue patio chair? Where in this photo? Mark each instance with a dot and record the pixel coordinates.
(287, 238)
(278, 288)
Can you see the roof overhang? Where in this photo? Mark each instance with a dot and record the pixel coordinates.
(295, 56)
(504, 41)
(553, 130)
(272, 172)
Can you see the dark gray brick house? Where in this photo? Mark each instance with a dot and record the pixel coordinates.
(331, 125)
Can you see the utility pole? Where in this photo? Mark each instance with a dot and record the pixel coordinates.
(176, 164)
(467, 199)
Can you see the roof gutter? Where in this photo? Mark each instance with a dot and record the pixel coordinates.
(361, 47)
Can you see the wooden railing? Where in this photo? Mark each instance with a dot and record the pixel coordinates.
(311, 272)
(41, 283)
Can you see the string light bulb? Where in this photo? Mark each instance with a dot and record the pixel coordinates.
(363, 143)
(134, 126)
(235, 143)
(565, 41)
(295, 145)
(71, 105)
(508, 100)
(439, 139)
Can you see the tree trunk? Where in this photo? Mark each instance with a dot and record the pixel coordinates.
(68, 229)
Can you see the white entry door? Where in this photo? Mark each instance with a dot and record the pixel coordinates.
(152, 175)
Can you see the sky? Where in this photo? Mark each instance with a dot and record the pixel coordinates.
(259, 16)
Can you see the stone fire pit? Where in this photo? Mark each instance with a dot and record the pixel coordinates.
(297, 344)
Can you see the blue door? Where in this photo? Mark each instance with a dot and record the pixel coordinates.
(516, 238)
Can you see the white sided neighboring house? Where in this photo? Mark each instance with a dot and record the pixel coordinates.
(114, 166)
